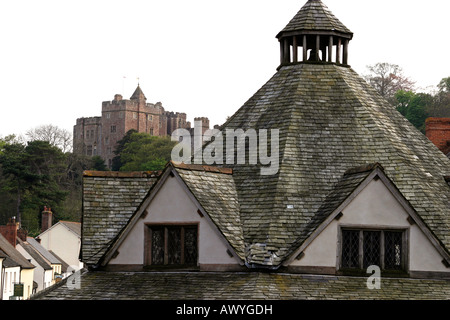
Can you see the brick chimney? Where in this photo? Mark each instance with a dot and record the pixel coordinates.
(22, 234)
(10, 231)
(46, 219)
(438, 132)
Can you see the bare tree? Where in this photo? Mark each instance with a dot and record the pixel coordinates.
(387, 79)
(54, 135)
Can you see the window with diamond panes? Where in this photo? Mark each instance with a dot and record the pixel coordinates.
(363, 248)
(350, 249)
(393, 252)
(172, 245)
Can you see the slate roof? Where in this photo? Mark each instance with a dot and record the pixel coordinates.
(109, 200)
(100, 285)
(75, 227)
(34, 253)
(64, 265)
(44, 252)
(315, 16)
(138, 94)
(215, 190)
(330, 120)
(13, 254)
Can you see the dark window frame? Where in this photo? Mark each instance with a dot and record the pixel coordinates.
(171, 260)
(388, 257)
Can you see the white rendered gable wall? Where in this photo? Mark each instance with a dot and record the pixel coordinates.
(376, 207)
(172, 205)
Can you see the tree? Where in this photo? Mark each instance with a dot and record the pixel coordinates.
(414, 107)
(444, 85)
(441, 102)
(57, 137)
(17, 173)
(387, 79)
(34, 175)
(144, 152)
(98, 164)
(120, 146)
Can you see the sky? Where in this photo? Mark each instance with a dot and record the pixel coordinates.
(59, 59)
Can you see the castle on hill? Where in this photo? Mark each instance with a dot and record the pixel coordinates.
(98, 135)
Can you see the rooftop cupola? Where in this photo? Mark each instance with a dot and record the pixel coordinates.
(314, 35)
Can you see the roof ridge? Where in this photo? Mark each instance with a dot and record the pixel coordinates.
(121, 174)
(201, 167)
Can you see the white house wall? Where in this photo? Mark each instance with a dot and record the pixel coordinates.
(376, 207)
(11, 275)
(64, 243)
(172, 205)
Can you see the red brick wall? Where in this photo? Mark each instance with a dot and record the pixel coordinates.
(437, 131)
(10, 232)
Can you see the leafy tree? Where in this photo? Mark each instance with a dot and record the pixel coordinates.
(144, 152)
(34, 175)
(17, 174)
(413, 106)
(120, 146)
(98, 164)
(444, 85)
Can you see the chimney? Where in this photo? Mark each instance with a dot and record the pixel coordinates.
(22, 234)
(438, 131)
(46, 219)
(10, 231)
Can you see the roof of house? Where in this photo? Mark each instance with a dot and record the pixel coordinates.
(34, 253)
(42, 251)
(215, 190)
(330, 120)
(13, 254)
(101, 285)
(64, 265)
(315, 16)
(7, 261)
(75, 227)
(109, 200)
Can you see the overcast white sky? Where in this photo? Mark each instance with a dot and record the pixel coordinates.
(59, 59)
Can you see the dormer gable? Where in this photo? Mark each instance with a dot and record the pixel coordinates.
(367, 221)
(172, 228)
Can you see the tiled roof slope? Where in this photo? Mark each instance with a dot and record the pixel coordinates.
(330, 120)
(13, 254)
(216, 192)
(73, 226)
(236, 286)
(109, 200)
(315, 15)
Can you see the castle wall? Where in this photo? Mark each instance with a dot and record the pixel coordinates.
(99, 135)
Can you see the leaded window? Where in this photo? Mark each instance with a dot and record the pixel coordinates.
(363, 248)
(172, 245)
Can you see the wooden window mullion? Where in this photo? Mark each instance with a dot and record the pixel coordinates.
(182, 245)
(361, 249)
(166, 246)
